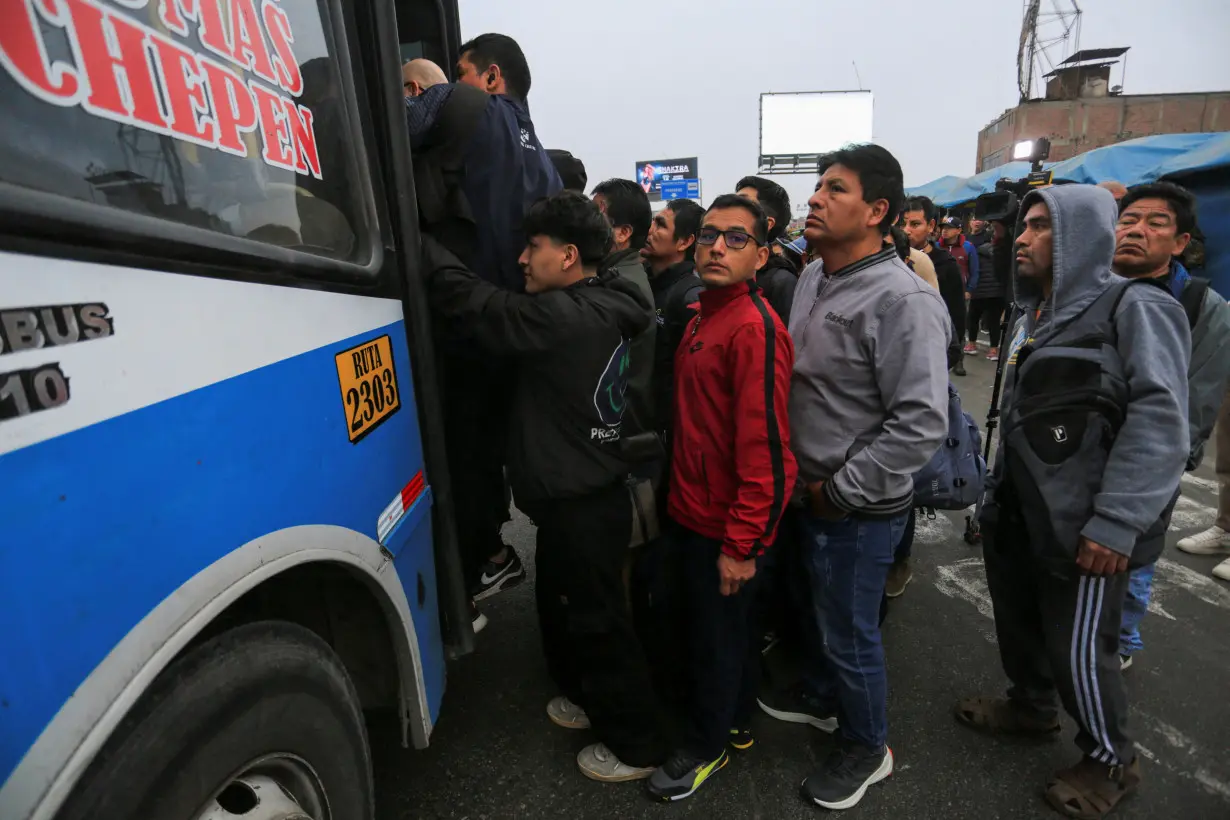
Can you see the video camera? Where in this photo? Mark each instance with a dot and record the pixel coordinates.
(1005, 204)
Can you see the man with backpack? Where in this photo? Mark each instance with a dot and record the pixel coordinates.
(1091, 450)
(867, 410)
(478, 168)
(1156, 222)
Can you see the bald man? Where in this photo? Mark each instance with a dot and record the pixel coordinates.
(1117, 189)
(419, 75)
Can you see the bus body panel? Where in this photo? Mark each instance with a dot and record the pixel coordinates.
(213, 414)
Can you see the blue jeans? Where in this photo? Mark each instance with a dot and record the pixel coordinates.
(1140, 588)
(847, 563)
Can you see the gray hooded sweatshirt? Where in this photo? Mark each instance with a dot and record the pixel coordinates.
(869, 395)
(1147, 456)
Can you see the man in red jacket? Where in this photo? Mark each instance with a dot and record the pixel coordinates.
(731, 475)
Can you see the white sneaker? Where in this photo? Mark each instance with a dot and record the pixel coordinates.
(564, 712)
(1210, 542)
(1222, 570)
(597, 762)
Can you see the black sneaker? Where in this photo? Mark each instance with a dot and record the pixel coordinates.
(741, 739)
(797, 705)
(847, 773)
(683, 774)
(477, 619)
(499, 577)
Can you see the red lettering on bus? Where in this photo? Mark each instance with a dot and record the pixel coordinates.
(207, 14)
(232, 105)
(22, 52)
(275, 132)
(302, 138)
(184, 82)
(249, 49)
(121, 85)
(280, 34)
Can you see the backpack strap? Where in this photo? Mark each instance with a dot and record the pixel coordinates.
(1192, 299)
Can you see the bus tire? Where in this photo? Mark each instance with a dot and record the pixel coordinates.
(257, 714)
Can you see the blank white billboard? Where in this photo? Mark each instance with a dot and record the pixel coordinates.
(813, 122)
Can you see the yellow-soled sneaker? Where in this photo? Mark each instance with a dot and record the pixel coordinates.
(683, 774)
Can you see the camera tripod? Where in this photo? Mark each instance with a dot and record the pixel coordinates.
(973, 532)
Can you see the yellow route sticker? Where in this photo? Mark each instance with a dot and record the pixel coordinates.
(369, 385)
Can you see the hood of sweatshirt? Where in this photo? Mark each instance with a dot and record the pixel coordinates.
(1083, 236)
(777, 263)
(627, 303)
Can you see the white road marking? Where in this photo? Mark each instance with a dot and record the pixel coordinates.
(1173, 574)
(1203, 483)
(1181, 742)
(967, 580)
(1191, 515)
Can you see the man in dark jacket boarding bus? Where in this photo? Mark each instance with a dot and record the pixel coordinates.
(569, 334)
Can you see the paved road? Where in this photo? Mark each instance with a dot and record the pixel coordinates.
(495, 754)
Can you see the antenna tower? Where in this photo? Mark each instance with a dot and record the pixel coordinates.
(1050, 32)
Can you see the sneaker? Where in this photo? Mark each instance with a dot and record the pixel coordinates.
(797, 705)
(1212, 541)
(597, 762)
(971, 348)
(899, 577)
(683, 774)
(845, 776)
(498, 577)
(993, 356)
(1222, 570)
(1125, 663)
(477, 619)
(741, 739)
(564, 712)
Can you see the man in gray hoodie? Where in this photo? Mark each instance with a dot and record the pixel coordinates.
(868, 409)
(1093, 443)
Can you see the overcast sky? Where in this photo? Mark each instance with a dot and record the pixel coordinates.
(616, 82)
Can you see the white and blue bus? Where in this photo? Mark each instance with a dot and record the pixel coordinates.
(225, 528)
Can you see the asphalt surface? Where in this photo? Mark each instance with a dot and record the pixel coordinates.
(494, 753)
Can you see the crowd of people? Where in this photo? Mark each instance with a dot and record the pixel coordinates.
(714, 443)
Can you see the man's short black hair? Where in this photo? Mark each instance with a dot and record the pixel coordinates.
(487, 50)
(570, 169)
(1179, 198)
(901, 243)
(688, 216)
(571, 219)
(774, 201)
(627, 204)
(921, 203)
(878, 172)
(760, 220)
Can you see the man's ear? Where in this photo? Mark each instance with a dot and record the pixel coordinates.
(1181, 242)
(762, 256)
(623, 233)
(494, 75)
(772, 222)
(572, 256)
(682, 245)
(879, 210)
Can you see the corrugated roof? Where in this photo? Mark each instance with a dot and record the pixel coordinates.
(1096, 54)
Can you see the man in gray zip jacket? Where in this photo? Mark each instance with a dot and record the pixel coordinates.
(1093, 443)
(868, 409)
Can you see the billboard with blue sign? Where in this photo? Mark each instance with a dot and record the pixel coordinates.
(680, 189)
(652, 173)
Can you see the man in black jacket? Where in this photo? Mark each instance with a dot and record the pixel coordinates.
(569, 334)
(918, 222)
(626, 206)
(779, 275)
(668, 253)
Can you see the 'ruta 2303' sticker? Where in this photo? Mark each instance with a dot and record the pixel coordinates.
(369, 386)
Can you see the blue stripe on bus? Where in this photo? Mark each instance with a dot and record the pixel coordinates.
(101, 524)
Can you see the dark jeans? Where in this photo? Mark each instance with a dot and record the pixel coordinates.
(1058, 630)
(592, 652)
(476, 406)
(722, 648)
(905, 547)
(988, 310)
(847, 562)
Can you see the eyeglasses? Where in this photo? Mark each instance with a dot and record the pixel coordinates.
(735, 239)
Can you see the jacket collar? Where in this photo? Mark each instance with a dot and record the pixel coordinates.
(714, 299)
(671, 275)
(866, 262)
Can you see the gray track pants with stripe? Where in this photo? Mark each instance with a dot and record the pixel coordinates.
(1059, 632)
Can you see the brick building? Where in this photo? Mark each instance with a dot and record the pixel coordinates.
(1080, 113)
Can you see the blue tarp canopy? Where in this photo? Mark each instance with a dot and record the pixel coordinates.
(1199, 162)
(1140, 160)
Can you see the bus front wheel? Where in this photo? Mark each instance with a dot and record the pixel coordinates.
(258, 723)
